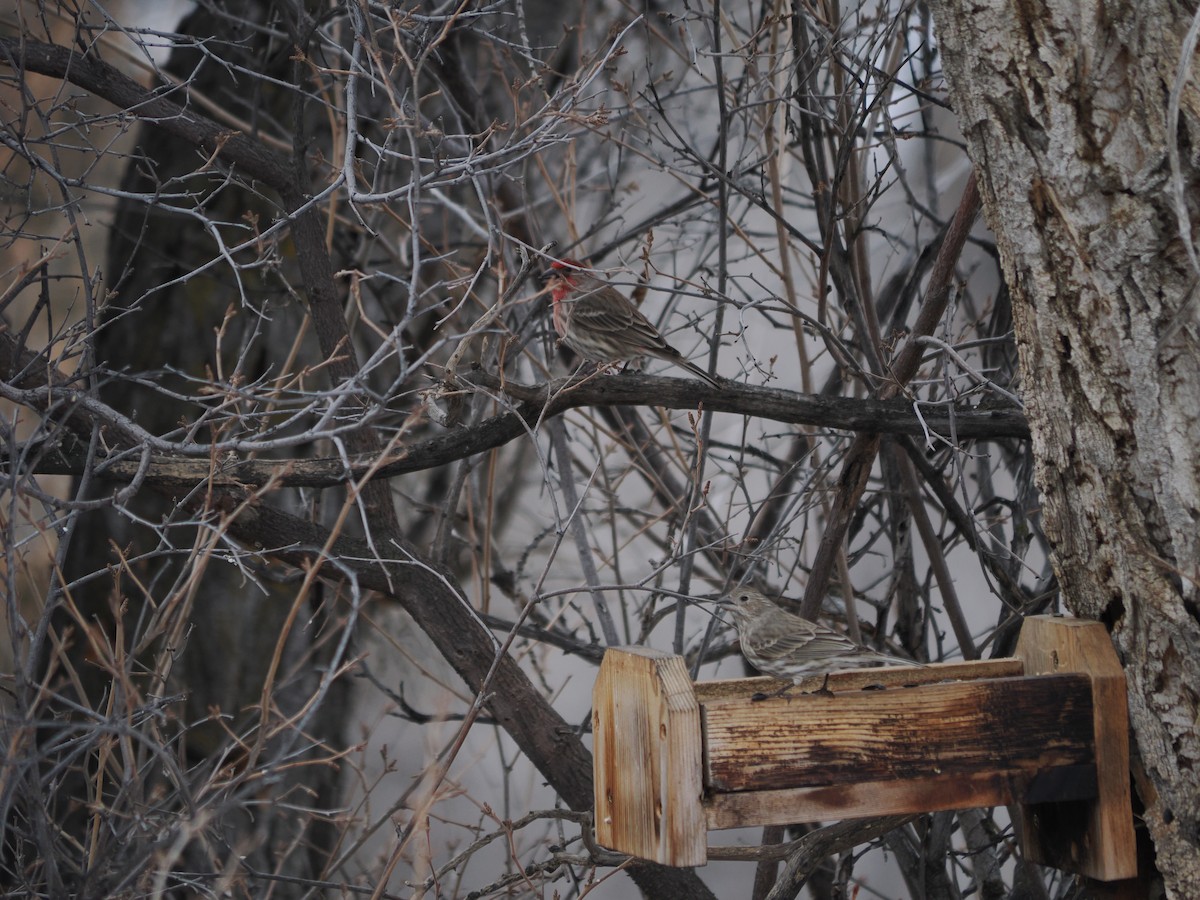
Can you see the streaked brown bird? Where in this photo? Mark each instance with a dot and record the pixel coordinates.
(778, 643)
(595, 320)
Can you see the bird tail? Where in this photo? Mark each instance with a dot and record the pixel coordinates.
(698, 372)
(889, 660)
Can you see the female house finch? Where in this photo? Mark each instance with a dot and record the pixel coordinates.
(597, 322)
(784, 645)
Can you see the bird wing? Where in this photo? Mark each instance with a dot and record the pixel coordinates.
(592, 311)
(810, 642)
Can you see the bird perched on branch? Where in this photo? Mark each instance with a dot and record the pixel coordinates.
(595, 320)
(778, 643)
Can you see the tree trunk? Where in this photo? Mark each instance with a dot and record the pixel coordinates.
(1065, 108)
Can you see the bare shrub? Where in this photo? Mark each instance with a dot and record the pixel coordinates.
(290, 453)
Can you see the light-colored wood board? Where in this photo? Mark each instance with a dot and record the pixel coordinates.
(648, 758)
(872, 798)
(858, 679)
(1095, 839)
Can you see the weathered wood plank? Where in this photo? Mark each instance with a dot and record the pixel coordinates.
(886, 798)
(1093, 838)
(857, 679)
(956, 728)
(647, 758)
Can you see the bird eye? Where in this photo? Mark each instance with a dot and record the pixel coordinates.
(742, 598)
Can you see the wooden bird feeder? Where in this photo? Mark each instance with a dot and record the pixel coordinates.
(1046, 731)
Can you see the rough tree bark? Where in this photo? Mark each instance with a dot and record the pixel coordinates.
(1066, 108)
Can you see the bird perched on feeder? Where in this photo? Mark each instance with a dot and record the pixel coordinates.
(787, 646)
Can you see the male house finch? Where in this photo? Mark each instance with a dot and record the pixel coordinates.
(779, 643)
(597, 322)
